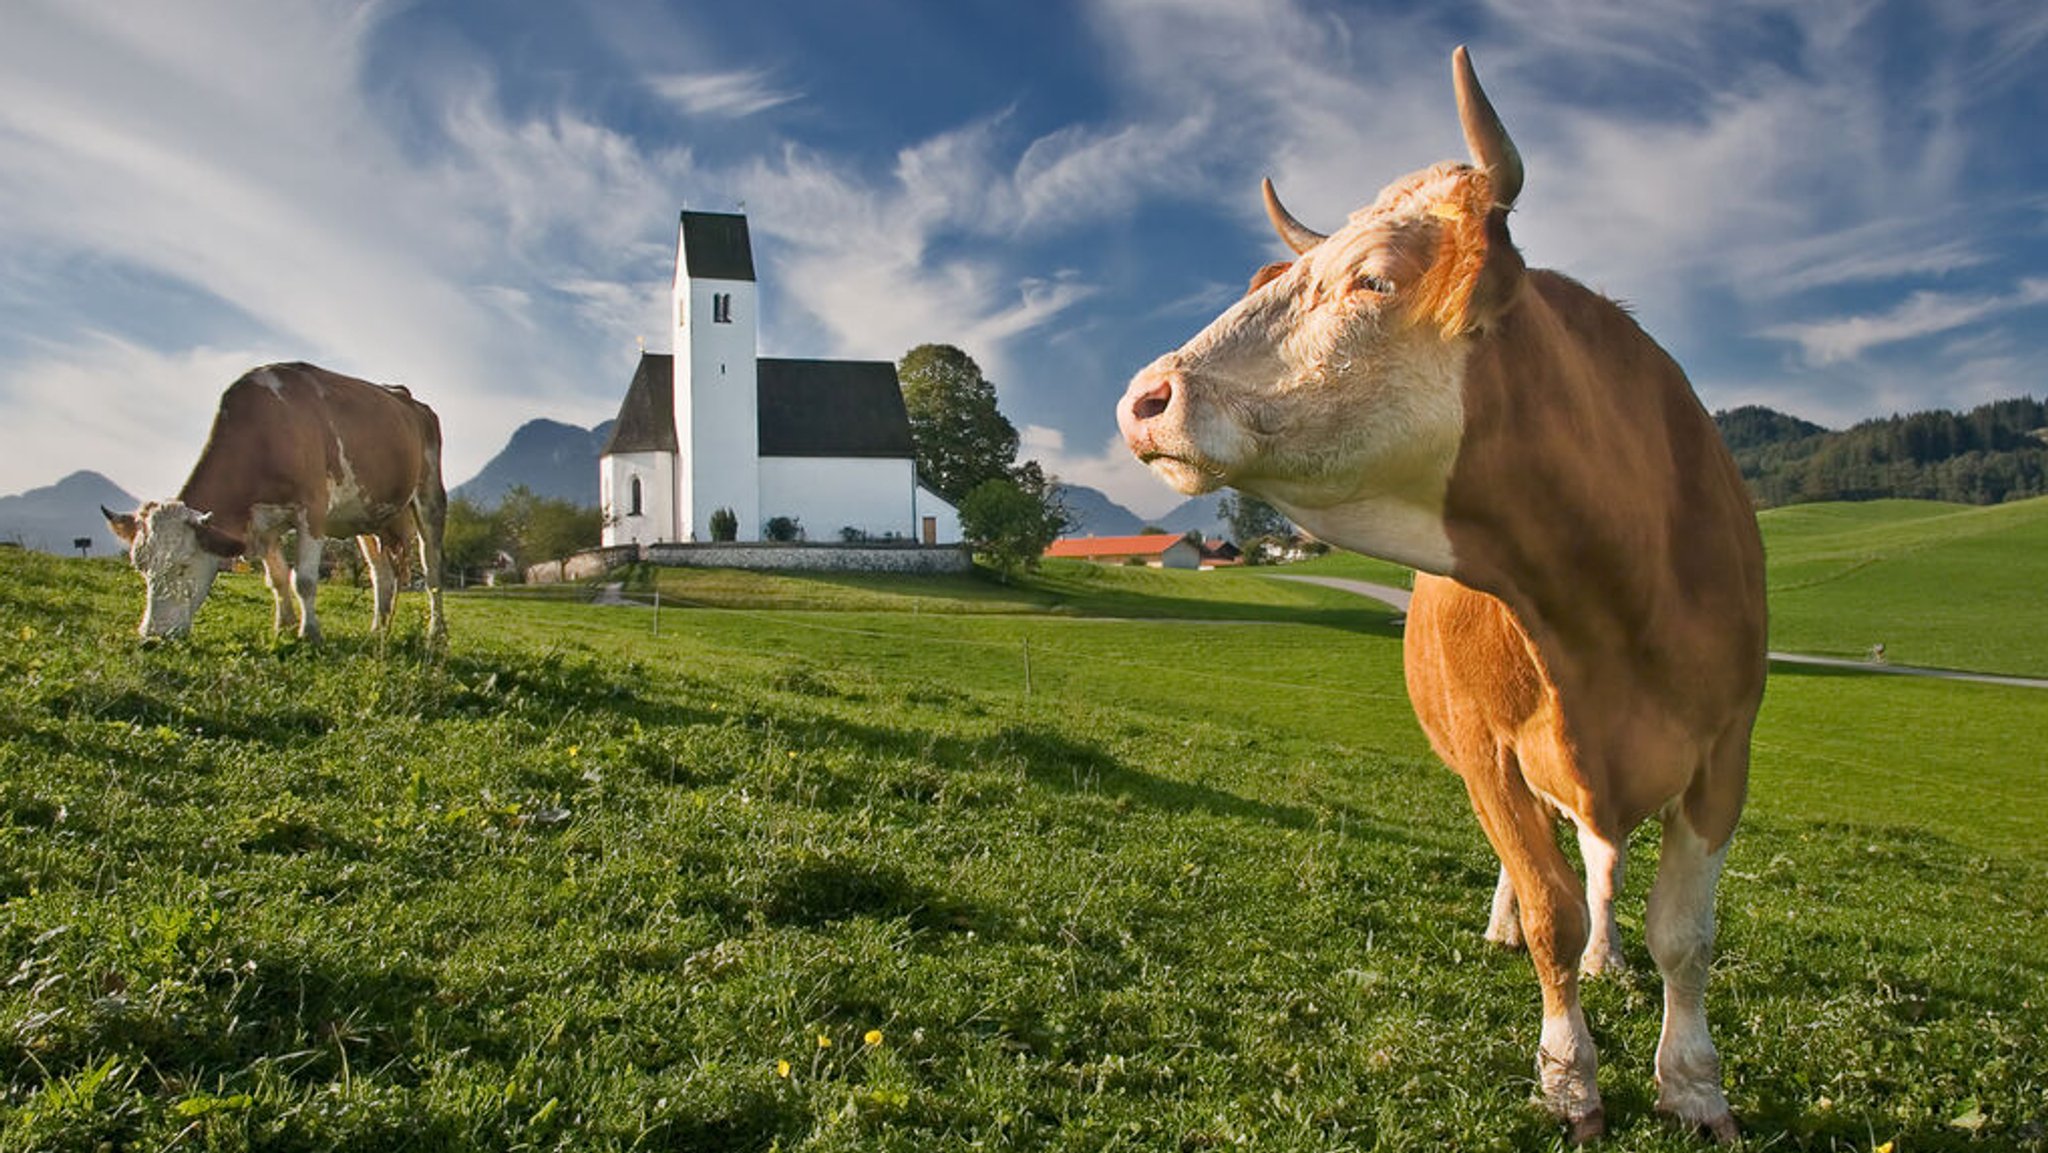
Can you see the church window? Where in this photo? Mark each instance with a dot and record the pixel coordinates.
(721, 308)
(633, 498)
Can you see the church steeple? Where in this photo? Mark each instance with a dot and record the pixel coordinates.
(716, 383)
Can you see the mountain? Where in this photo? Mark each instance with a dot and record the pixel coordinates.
(1090, 513)
(554, 460)
(48, 519)
(1094, 514)
(1198, 512)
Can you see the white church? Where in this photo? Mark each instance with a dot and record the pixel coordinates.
(713, 426)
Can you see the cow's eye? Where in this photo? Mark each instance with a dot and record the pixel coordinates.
(1374, 283)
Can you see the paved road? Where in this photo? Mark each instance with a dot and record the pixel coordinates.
(1398, 598)
(1385, 594)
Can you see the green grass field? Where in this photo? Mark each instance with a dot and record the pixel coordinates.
(1943, 585)
(1107, 859)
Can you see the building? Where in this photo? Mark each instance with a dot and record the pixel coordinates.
(713, 427)
(1158, 550)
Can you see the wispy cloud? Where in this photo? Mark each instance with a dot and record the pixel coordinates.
(1922, 314)
(731, 95)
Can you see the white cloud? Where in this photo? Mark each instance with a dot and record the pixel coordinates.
(1921, 314)
(474, 271)
(732, 95)
(136, 414)
(1113, 471)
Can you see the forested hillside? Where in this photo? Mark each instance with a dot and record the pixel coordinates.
(1994, 453)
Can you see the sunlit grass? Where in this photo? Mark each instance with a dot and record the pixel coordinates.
(1088, 882)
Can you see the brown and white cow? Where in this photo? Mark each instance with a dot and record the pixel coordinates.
(296, 447)
(1587, 632)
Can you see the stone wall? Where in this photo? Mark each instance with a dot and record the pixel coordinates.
(814, 557)
(897, 558)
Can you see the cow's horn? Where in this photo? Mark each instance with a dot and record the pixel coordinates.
(1485, 136)
(1299, 237)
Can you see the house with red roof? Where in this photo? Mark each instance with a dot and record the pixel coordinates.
(1156, 549)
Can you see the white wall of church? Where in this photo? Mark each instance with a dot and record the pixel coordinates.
(827, 494)
(944, 517)
(656, 518)
(717, 403)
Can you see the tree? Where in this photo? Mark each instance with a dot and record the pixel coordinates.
(539, 528)
(960, 438)
(1007, 525)
(1251, 522)
(470, 540)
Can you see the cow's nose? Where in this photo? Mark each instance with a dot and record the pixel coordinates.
(1151, 399)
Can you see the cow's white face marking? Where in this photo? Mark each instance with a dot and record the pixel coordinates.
(1329, 391)
(176, 572)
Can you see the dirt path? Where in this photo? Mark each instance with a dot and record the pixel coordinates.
(1398, 598)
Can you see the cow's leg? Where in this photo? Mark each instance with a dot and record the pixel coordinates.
(1680, 930)
(430, 515)
(278, 577)
(383, 580)
(1603, 860)
(1680, 933)
(1504, 924)
(1553, 911)
(306, 583)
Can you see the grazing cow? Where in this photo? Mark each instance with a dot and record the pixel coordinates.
(1586, 637)
(295, 447)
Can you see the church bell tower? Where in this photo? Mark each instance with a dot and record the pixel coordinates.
(716, 387)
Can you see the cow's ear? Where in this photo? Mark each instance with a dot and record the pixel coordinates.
(1476, 271)
(215, 541)
(123, 524)
(1267, 275)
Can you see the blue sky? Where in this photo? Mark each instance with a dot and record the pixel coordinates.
(1837, 209)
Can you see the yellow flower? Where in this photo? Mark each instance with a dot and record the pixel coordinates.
(573, 750)
(1884, 1148)
(782, 1069)
(873, 1037)
(824, 1042)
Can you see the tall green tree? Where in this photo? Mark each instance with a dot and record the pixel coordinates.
(1251, 521)
(470, 540)
(540, 528)
(1006, 525)
(960, 437)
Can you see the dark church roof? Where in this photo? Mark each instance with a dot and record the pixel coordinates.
(832, 408)
(647, 417)
(716, 247)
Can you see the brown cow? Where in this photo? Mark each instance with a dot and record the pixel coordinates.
(1587, 632)
(296, 447)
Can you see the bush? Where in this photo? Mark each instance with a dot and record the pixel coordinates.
(725, 525)
(784, 529)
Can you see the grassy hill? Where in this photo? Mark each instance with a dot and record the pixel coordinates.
(1952, 586)
(860, 864)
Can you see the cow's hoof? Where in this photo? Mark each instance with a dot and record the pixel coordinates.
(1609, 961)
(1509, 938)
(1591, 1127)
(1721, 1130)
